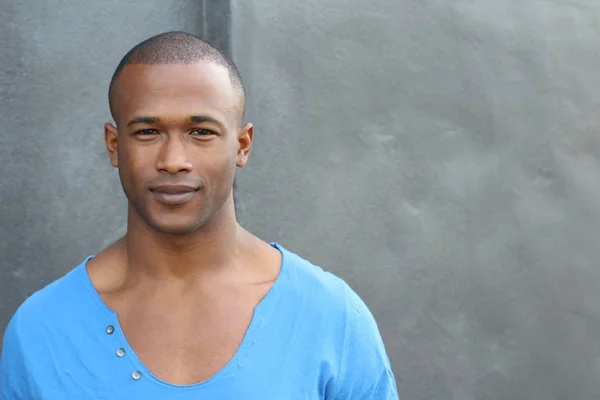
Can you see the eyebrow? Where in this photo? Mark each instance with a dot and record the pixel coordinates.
(203, 118)
(153, 120)
(143, 120)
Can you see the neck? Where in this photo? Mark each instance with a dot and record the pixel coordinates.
(160, 256)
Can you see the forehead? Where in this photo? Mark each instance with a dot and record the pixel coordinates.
(184, 89)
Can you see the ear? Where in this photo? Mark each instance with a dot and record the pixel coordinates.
(110, 137)
(245, 138)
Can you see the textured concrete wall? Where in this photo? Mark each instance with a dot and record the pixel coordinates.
(442, 156)
(59, 197)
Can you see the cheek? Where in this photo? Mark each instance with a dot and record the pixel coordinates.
(133, 164)
(232, 161)
(219, 168)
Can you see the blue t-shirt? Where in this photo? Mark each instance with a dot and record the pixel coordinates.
(311, 337)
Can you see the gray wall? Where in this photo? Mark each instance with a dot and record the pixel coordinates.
(439, 156)
(442, 156)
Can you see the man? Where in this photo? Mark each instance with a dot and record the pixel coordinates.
(188, 304)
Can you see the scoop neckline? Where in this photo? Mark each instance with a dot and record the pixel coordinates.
(261, 311)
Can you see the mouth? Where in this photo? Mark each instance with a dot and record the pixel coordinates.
(173, 195)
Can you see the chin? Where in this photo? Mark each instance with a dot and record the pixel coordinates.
(174, 230)
(176, 226)
(178, 222)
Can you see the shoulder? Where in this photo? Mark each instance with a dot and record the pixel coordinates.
(327, 294)
(318, 286)
(48, 304)
(362, 369)
(27, 334)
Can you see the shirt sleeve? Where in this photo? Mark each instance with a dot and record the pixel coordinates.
(14, 384)
(366, 371)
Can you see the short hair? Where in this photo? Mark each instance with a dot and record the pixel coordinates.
(177, 47)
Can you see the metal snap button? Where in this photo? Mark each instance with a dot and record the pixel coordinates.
(136, 375)
(110, 329)
(120, 353)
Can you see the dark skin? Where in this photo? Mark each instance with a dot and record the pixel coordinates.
(186, 277)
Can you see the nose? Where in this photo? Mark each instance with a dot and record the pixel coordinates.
(173, 156)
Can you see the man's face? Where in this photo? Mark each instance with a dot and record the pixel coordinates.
(177, 142)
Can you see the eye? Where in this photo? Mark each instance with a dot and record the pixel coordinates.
(147, 132)
(201, 132)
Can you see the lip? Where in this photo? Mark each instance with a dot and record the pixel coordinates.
(173, 195)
